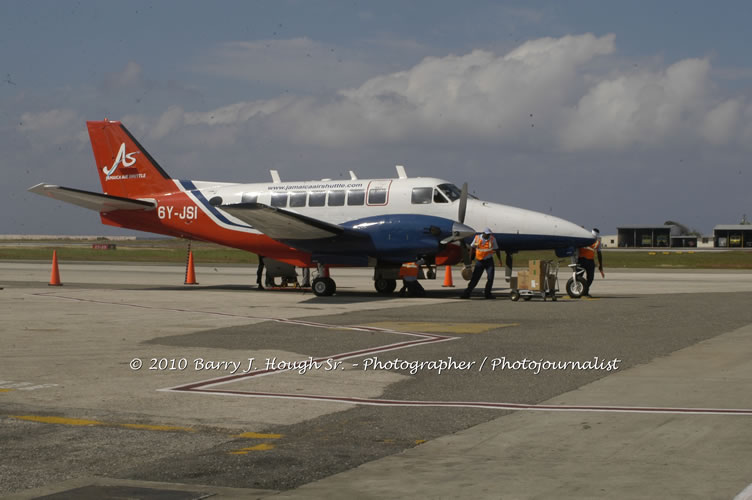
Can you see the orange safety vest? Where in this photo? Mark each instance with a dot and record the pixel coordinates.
(483, 248)
(589, 252)
(409, 269)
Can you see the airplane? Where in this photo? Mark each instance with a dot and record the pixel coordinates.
(379, 223)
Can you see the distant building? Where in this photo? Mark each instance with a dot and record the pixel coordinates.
(733, 236)
(610, 241)
(648, 236)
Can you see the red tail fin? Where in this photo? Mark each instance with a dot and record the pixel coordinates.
(125, 168)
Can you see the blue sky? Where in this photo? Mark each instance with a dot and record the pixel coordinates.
(641, 111)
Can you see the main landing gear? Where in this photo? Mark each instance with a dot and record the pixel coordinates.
(323, 285)
(385, 286)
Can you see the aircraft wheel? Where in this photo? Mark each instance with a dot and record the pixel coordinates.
(576, 288)
(331, 286)
(385, 286)
(322, 287)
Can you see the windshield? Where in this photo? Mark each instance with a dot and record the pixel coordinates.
(452, 192)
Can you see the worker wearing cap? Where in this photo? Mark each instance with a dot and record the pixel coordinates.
(485, 246)
(586, 260)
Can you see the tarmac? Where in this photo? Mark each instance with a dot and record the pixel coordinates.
(124, 382)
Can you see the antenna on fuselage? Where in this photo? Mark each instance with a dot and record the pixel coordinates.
(401, 171)
(275, 176)
(353, 177)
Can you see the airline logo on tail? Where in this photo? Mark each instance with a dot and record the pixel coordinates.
(127, 160)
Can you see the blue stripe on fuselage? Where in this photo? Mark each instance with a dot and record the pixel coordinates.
(189, 186)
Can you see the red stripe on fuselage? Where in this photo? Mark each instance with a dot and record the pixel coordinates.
(179, 216)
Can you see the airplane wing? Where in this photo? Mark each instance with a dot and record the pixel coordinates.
(281, 224)
(93, 201)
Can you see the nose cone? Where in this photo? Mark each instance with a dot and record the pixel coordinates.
(522, 229)
(461, 231)
(579, 235)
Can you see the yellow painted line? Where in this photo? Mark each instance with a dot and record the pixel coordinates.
(420, 441)
(80, 422)
(156, 427)
(57, 420)
(256, 435)
(5, 390)
(258, 447)
(431, 327)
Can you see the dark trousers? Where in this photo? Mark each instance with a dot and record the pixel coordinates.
(480, 266)
(260, 270)
(589, 266)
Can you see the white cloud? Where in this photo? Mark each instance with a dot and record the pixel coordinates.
(547, 93)
(721, 121)
(53, 119)
(53, 127)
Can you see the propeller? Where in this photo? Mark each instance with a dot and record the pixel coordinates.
(461, 217)
(463, 204)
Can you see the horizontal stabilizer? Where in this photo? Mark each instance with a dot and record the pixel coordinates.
(93, 201)
(281, 224)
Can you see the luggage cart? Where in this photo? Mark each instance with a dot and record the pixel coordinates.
(550, 284)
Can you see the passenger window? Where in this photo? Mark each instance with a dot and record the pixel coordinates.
(421, 196)
(249, 198)
(336, 198)
(377, 196)
(357, 197)
(438, 197)
(298, 199)
(279, 199)
(317, 199)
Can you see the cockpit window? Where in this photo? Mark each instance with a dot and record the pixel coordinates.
(453, 192)
(421, 195)
(438, 197)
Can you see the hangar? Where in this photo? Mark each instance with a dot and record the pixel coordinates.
(733, 235)
(676, 236)
(647, 236)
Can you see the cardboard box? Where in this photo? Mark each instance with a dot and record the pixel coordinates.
(536, 268)
(523, 280)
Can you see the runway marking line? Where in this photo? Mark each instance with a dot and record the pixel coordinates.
(436, 327)
(5, 390)
(258, 447)
(423, 338)
(256, 435)
(92, 423)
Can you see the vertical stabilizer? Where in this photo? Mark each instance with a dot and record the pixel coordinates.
(125, 168)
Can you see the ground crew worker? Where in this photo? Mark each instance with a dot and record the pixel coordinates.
(485, 246)
(260, 272)
(409, 273)
(586, 260)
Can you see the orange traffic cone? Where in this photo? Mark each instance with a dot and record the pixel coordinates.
(448, 277)
(55, 276)
(190, 273)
